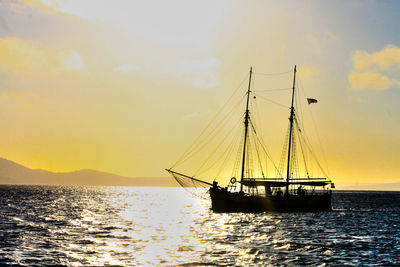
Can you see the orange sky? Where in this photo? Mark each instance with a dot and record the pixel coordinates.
(125, 86)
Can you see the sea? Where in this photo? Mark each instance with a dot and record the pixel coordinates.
(154, 226)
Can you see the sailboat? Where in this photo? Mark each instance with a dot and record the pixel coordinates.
(258, 194)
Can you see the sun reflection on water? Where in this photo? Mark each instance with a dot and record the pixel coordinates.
(153, 228)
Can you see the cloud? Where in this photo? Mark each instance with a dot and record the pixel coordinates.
(201, 73)
(371, 80)
(308, 71)
(322, 37)
(159, 21)
(190, 116)
(319, 41)
(71, 61)
(383, 59)
(371, 70)
(125, 68)
(51, 6)
(25, 57)
(332, 36)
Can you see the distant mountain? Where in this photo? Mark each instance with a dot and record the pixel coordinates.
(14, 173)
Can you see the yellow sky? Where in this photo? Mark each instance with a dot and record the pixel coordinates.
(125, 86)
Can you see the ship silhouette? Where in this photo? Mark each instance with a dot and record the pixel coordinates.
(251, 193)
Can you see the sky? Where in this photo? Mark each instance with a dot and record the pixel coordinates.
(125, 86)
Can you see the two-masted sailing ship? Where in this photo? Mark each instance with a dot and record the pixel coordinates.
(249, 193)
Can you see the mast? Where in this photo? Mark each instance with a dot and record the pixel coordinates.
(291, 119)
(246, 126)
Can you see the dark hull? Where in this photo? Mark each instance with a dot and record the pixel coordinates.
(223, 201)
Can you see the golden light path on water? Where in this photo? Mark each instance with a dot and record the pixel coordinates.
(181, 228)
(151, 228)
(160, 226)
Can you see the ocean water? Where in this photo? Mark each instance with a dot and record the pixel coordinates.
(42, 225)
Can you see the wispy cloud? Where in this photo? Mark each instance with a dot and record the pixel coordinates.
(308, 71)
(125, 68)
(332, 36)
(371, 70)
(319, 40)
(25, 57)
(201, 73)
(155, 20)
(190, 116)
(50, 6)
(71, 61)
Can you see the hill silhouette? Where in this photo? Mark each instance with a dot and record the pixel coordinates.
(14, 173)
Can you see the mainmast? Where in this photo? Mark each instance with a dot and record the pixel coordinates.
(291, 119)
(246, 126)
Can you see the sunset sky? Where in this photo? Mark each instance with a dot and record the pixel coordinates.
(125, 86)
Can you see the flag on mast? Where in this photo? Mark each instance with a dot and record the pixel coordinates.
(312, 100)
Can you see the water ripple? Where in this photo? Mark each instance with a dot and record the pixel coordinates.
(60, 225)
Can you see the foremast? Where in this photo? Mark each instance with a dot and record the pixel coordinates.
(291, 119)
(246, 127)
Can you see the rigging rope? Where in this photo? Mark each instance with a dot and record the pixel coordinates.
(302, 149)
(258, 154)
(210, 132)
(294, 158)
(319, 140)
(270, 90)
(316, 131)
(208, 125)
(284, 152)
(308, 144)
(228, 155)
(201, 144)
(253, 110)
(276, 103)
(257, 121)
(273, 74)
(212, 153)
(264, 148)
(236, 166)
